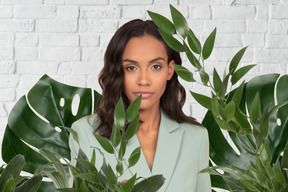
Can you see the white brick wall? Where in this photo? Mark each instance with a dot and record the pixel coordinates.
(67, 39)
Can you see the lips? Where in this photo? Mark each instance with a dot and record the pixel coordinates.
(145, 94)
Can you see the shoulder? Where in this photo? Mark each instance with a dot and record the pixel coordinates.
(193, 129)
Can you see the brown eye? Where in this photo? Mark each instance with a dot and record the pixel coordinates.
(156, 67)
(130, 68)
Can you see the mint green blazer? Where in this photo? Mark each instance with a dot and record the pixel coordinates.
(182, 151)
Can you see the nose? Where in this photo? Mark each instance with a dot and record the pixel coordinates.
(144, 78)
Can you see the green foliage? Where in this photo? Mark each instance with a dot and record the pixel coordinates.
(248, 114)
(12, 181)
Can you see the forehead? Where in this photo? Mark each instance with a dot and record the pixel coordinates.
(145, 47)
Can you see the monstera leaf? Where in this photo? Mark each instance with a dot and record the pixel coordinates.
(272, 89)
(38, 121)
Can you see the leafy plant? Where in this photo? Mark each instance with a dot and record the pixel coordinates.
(44, 140)
(38, 121)
(249, 113)
(12, 181)
(86, 177)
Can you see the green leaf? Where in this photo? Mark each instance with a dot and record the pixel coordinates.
(255, 108)
(172, 42)
(115, 136)
(93, 158)
(151, 184)
(260, 177)
(193, 42)
(184, 73)
(119, 167)
(209, 45)
(236, 59)
(86, 164)
(133, 109)
(240, 73)
(204, 77)
(134, 157)
(90, 177)
(13, 169)
(127, 187)
(162, 22)
(265, 154)
(30, 185)
(202, 100)
(105, 144)
(119, 114)
(111, 176)
(229, 111)
(263, 128)
(217, 82)
(278, 175)
(193, 60)
(238, 94)
(132, 128)
(179, 21)
(122, 149)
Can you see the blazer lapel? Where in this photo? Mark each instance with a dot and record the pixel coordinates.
(168, 147)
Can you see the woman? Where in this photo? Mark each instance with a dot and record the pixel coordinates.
(138, 61)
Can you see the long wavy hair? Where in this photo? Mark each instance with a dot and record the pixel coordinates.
(111, 78)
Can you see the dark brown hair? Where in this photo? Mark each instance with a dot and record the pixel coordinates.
(112, 76)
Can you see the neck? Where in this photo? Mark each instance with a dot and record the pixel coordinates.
(150, 120)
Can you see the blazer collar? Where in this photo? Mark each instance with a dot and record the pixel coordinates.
(167, 150)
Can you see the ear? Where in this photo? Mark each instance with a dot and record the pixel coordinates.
(170, 69)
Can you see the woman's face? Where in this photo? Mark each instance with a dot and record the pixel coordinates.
(146, 70)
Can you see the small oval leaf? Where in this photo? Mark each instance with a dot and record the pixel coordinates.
(162, 22)
(209, 45)
(105, 144)
(184, 73)
(172, 42)
(180, 22)
(134, 157)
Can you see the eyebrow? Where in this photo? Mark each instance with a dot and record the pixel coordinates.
(151, 61)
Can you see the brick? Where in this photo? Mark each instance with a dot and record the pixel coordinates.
(197, 26)
(3, 112)
(228, 12)
(26, 39)
(200, 12)
(227, 40)
(17, 25)
(225, 26)
(26, 53)
(33, 12)
(3, 124)
(6, 39)
(201, 2)
(278, 26)
(6, 53)
(6, 11)
(255, 2)
(85, 68)
(57, 25)
(8, 106)
(272, 68)
(262, 12)
(132, 12)
(36, 67)
(105, 38)
(165, 10)
(7, 67)
(89, 39)
(68, 11)
(271, 55)
(279, 12)
(65, 68)
(87, 2)
(9, 81)
(253, 40)
(164, 2)
(257, 26)
(131, 2)
(27, 81)
(7, 94)
(226, 54)
(59, 40)
(93, 12)
(25, 2)
(91, 54)
(54, 2)
(277, 41)
(60, 54)
(103, 25)
(92, 81)
(75, 80)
